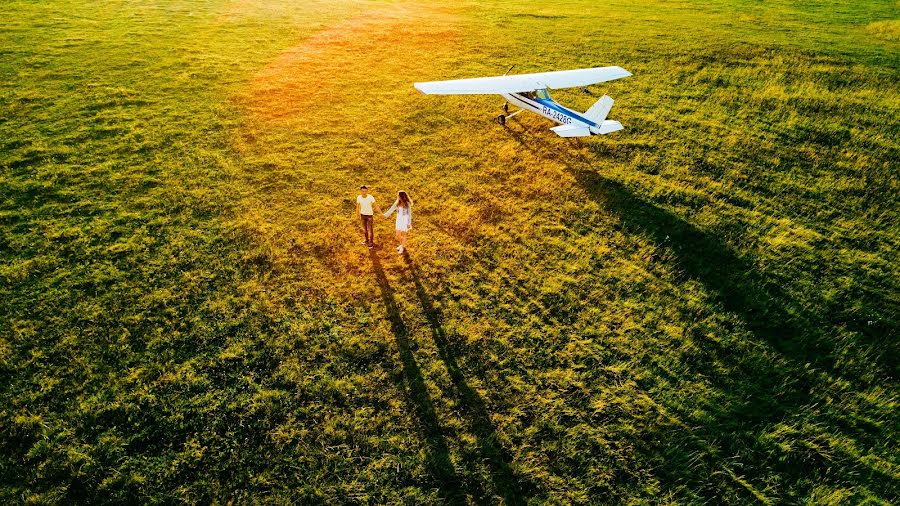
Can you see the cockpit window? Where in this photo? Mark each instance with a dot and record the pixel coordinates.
(542, 94)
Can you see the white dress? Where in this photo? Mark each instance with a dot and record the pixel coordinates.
(404, 217)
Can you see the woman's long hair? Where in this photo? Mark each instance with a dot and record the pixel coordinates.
(403, 199)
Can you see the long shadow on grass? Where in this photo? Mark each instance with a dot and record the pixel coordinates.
(505, 480)
(439, 463)
(760, 392)
(768, 311)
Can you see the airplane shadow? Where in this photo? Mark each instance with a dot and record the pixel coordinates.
(770, 313)
(761, 392)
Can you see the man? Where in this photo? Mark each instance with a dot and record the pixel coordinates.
(364, 208)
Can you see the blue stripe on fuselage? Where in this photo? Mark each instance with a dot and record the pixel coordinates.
(568, 112)
(550, 104)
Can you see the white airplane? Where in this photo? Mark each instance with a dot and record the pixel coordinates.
(530, 92)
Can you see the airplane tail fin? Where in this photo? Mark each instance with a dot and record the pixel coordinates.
(598, 112)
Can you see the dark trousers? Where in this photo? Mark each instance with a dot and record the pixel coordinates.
(368, 227)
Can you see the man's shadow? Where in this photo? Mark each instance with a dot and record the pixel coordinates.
(453, 487)
(439, 464)
(506, 482)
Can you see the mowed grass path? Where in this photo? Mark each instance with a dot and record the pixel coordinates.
(702, 308)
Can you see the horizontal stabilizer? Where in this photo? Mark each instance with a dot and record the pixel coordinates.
(610, 126)
(572, 131)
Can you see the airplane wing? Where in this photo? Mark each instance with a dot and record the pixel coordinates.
(523, 82)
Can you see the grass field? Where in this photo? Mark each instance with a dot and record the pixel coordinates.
(702, 308)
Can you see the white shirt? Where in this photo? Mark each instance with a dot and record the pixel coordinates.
(365, 204)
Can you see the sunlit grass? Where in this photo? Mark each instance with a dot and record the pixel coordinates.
(700, 308)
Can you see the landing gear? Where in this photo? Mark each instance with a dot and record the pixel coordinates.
(506, 107)
(503, 117)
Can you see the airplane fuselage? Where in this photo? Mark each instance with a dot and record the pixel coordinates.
(550, 109)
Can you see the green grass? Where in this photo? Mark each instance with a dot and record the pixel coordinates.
(702, 308)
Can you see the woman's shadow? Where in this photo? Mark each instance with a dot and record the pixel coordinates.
(454, 488)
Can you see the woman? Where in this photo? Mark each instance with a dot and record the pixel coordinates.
(403, 206)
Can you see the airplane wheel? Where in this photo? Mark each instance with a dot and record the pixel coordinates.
(501, 119)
